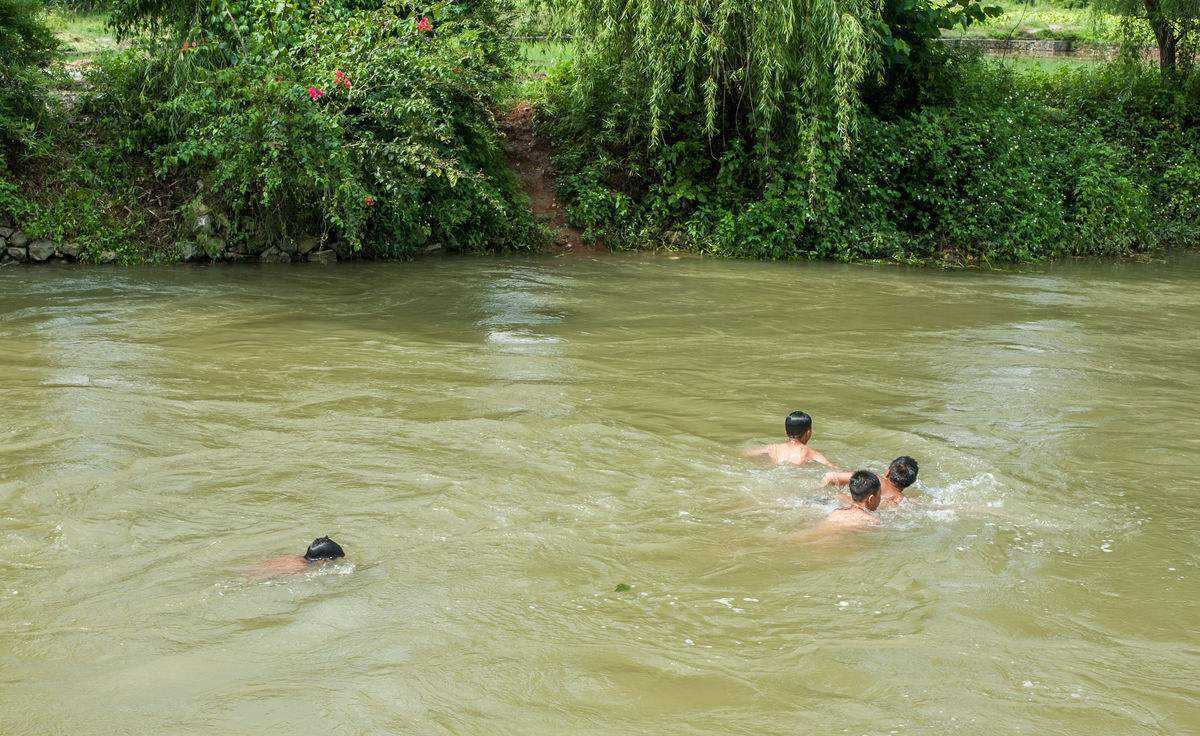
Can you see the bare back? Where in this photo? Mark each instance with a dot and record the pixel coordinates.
(845, 519)
(850, 517)
(276, 566)
(790, 453)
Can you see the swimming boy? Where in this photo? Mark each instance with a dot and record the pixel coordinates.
(796, 451)
(864, 499)
(321, 550)
(901, 474)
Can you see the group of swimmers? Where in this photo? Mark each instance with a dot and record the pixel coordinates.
(868, 491)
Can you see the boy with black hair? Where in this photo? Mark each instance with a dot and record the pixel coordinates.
(796, 451)
(321, 550)
(864, 499)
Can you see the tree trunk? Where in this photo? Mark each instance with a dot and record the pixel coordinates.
(1164, 36)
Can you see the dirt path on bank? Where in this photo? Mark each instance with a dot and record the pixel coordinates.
(529, 157)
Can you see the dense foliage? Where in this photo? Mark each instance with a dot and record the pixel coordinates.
(266, 123)
(831, 128)
(989, 167)
(839, 129)
(781, 74)
(26, 47)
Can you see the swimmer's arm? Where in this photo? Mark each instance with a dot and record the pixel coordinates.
(757, 451)
(836, 479)
(814, 455)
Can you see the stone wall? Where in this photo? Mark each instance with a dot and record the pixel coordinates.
(16, 246)
(1038, 48)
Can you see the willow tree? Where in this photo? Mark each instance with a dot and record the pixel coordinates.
(769, 69)
(766, 72)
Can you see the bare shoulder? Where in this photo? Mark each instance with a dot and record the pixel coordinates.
(284, 565)
(779, 452)
(760, 450)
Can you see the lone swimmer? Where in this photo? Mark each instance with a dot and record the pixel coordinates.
(796, 451)
(901, 474)
(320, 551)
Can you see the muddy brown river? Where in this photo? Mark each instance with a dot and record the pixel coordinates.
(499, 443)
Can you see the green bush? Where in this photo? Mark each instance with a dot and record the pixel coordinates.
(356, 126)
(991, 168)
(1180, 193)
(26, 48)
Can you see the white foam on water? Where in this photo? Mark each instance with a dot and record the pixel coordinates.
(728, 603)
(70, 379)
(979, 489)
(506, 337)
(332, 568)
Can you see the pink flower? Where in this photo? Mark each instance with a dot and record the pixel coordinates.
(424, 25)
(369, 201)
(340, 78)
(315, 93)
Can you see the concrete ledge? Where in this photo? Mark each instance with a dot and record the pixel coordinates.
(1016, 46)
(1037, 48)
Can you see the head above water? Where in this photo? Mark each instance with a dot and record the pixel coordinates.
(324, 548)
(864, 488)
(903, 471)
(798, 426)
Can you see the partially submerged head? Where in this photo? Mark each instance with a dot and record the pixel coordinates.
(798, 426)
(864, 488)
(324, 548)
(902, 472)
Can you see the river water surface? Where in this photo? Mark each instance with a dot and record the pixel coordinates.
(500, 443)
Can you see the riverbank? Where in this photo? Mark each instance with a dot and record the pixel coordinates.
(1006, 161)
(998, 165)
(302, 141)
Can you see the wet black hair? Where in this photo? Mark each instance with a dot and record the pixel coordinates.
(862, 484)
(796, 424)
(903, 471)
(324, 548)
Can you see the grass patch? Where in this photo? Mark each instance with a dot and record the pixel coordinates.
(1045, 20)
(536, 59)
(83, 35)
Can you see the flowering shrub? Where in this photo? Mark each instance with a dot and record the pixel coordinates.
(348, 125)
